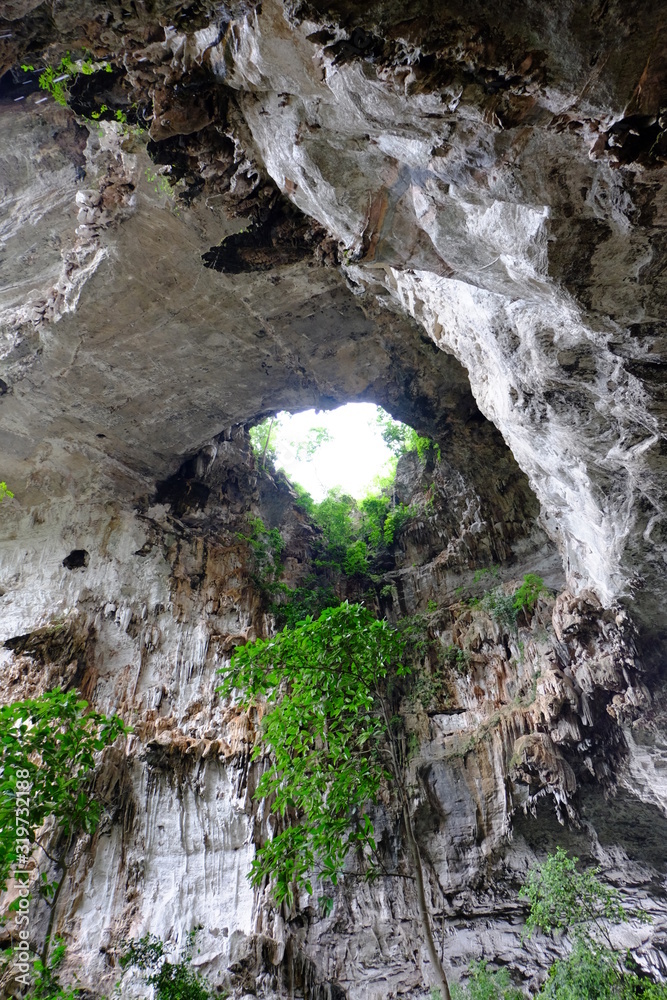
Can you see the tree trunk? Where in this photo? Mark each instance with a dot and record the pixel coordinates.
(54, 902)
(266, 443)
(415, 854)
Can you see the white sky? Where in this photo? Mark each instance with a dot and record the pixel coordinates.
(352, 459)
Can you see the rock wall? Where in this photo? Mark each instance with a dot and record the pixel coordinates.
(458, 218)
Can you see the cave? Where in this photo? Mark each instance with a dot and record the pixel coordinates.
(454, 212)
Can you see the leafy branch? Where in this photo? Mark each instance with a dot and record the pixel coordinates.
(331, 743)
(48, 748)
(56, 80)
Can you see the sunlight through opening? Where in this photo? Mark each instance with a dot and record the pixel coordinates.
(324, 449)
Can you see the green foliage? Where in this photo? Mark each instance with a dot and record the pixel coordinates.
(315, 438)
(563, 898)
(485, 985)
(5, 492)
(344, 547)
(160, 182)
(374, 510)
(118, 115)
(590, 972)
(401, 439)
(397, 517)
(334, 516)
(337, 552)
(505, 608)
(170, 980)
(413, 630)
(644, 989)
(267, 546)
(356, 559)
(46, 985)
(394, 434)
(526, 596)
(586, 974)
(55, 80)
(304, 501)
(427, 683)
(352, 536)
(424, 445)
(485, 571)
(260, 441)
(324, 730)
(384, 482)
(48, 748)
(311, 598)
(457, 658)
(499, 605)
(47, 756)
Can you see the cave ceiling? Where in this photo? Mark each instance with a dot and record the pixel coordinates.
(347, 185)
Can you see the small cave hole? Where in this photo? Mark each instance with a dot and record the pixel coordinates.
(77, 559)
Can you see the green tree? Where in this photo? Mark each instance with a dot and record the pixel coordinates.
(315, 438)
(591, 972)
(5, 492)
(260, 440)
(170, 980)
(485, 985)
(577, 904)
(401, 439)
(47, 758)
(46, 984)
(563, 898)
(374, 510)
(333, 742)
(506, 608)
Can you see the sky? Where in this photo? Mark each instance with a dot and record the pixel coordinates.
(352, 459)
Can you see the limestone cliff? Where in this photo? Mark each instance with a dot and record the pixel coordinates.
(455, 211)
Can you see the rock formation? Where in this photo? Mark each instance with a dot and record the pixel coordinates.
(455, 211)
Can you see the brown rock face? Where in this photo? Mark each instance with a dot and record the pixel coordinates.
(246, 208)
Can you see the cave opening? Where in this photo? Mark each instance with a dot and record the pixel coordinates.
(353, 448)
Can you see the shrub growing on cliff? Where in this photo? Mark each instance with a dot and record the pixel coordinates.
(47, 756)
(46, 985)
(55, 80)
(324, 730)
(506, 608)
(565, 900)
(170, 980)
(592, 973)
(526, 596)
(401, 438)
(481, 984)
(47, 753)
(332, 741)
